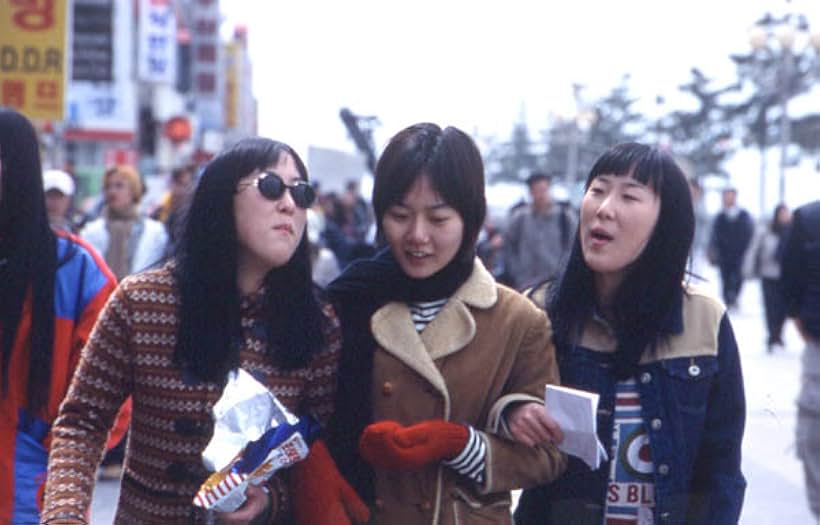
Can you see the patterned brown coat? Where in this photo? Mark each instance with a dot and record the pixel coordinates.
(130, 353)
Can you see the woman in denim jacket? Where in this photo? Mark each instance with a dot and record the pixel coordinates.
(661, 354)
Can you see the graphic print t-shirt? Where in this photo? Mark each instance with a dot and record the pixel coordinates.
(630, 495)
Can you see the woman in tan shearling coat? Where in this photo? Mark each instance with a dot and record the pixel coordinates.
(434, 350)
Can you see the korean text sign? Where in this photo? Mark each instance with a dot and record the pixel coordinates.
(32, 56)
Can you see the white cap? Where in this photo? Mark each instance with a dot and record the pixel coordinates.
(58, 180)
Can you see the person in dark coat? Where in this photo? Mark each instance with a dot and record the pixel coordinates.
(800, 279)
(731, 234)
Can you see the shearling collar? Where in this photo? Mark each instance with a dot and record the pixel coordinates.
(450, 331)
(479, 289)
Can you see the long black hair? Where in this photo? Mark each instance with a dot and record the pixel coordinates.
(208, 335)
(776, 225)
(652, 289)
(28, 255)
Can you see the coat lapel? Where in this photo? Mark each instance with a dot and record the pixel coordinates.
(450, 331)
(393, 329)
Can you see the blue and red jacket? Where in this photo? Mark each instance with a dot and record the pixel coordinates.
(82, 285)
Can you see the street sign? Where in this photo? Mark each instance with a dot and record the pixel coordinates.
(32, 57)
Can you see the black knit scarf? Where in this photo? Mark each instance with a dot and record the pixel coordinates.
(363, 288)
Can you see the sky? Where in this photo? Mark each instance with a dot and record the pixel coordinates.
(483, 66)
(477, 65)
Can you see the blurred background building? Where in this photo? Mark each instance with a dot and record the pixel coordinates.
(161, 83)
(146, 82)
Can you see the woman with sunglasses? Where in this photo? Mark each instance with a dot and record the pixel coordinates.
(237, 293)
(434, 350)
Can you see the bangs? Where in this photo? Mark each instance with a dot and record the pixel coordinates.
(638, 161)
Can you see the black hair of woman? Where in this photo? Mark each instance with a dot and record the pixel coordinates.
(777, 225)
(206, 272)
(451, 160)
(28, 254)
(651, 291)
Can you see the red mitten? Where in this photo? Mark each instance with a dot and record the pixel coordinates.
(321, 496)
(388, 444)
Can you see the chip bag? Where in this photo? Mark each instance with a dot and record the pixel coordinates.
(254, 436)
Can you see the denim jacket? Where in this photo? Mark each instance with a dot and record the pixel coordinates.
(693, 410)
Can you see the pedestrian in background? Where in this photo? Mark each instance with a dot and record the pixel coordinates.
(237, 293)
(762, 261)
(490, 249)
(538, 236)
(172, 206)
(660, 353)
(434, 350)
(800, 278)
(732, 232)
(345, 248)
(59, 191)
(128, 240)
(356, 212)
(52, 287)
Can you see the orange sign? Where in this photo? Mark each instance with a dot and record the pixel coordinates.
(32, 56)
(178, 129)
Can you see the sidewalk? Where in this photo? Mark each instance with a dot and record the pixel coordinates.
(776, 491)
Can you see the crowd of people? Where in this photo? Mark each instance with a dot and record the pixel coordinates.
(419, 335)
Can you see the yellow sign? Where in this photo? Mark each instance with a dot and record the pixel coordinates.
(32, 56)
(232, 85)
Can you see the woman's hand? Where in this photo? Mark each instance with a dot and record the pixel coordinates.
(255, 507)
(531, 424)
(390, 445)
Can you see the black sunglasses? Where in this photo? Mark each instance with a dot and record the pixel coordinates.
(272, 187)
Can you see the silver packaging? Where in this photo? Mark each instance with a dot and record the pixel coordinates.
(245, 411)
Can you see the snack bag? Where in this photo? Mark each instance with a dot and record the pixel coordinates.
(254, 436)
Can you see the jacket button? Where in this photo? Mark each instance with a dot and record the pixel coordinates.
(664, 516)
(646, 377)
(177, 472)
(663, 469)
(379, 504)
(387, 388)
(694, 370)
(656, 424)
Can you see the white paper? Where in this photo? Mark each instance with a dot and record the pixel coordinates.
(575, 412)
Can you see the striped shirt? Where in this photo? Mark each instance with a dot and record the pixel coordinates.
(471, 462)
(424, 312)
